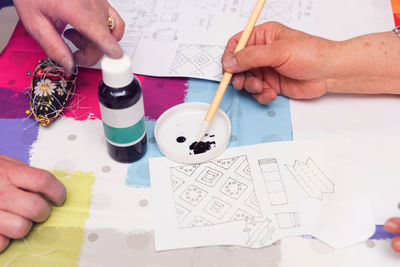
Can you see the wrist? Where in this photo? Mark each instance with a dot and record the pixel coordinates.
(368, 64)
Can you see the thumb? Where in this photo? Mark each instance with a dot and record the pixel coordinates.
(271, 55)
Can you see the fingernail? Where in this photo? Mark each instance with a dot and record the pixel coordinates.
(230, 62)
(391, 226)
(67, 64)
(258, 86)
(271, 96)
(117, 52)
(396, 245)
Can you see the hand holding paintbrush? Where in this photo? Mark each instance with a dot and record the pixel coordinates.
(228, 76)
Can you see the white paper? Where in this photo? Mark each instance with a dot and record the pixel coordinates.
(253, 196)
(343, 19)
(187, 37)
(372, 123)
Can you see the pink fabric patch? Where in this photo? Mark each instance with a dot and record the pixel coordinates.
(160, 94)
(23, 53)
(19, 57)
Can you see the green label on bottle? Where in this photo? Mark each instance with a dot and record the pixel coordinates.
(125, 136)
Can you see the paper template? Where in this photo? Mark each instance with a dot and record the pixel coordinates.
(253, 196)
(372, 125)
(371, 122)
(187, 37)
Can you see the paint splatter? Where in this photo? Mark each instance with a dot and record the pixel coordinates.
(201, 147)
(181, 139)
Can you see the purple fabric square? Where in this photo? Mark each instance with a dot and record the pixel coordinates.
(17, 137)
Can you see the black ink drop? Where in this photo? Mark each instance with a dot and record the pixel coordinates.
(181, 139)
(201, 147)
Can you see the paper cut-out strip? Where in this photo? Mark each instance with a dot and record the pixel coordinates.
(273, 182)
(288, 220)
(259, 232)
(313, 181)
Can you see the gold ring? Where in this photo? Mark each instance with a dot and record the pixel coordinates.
(110, 23)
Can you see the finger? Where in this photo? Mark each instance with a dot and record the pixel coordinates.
(272, 55)
(13, 226)
(259, 37)
(76, 38)
(230, 47)
(51, 42)
(267, 96)
(262, 34)
(4, 242)
(88, 56)
(88, 53)
(238, 81)
(96, 30)
(25, 204)
(10, 159)
(253, 84)
(119, 23)
(38, 181)
(393, 225)
(396, 244)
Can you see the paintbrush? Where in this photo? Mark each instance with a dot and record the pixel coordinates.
(228, 76)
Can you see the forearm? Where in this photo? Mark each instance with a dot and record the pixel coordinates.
(368, 64)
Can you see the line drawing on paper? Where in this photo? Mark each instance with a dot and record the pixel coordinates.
(233, 188)
(279, 10)
(206, 3)
(198, 60)
(130, 41)
(171, 4)
(213, 192)
(176, 182)
(145, 5)
(273, 181)
(225, 163)
(138, 14)
(169, 17)
(193, 195)
(217, 208)
(187, 169)
(166, 35)
(259, 231)
(288, 220)
(181, 212)
(209, 176)
(311, 179)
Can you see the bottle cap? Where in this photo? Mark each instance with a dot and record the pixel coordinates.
(177, 129)
(117, 73)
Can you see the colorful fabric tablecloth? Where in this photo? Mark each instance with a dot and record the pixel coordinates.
(107, 217)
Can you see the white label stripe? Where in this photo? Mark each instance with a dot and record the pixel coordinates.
(123, 118)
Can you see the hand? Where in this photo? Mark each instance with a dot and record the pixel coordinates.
(279, 60)
(45, 19)
(393, 225)
(23, 190)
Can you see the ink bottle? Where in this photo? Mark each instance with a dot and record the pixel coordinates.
(122, 110)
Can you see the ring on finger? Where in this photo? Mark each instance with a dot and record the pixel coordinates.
(110, 22)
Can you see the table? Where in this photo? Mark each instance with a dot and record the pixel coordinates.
(107, 219)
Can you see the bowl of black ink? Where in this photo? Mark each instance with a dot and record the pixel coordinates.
(176, 133)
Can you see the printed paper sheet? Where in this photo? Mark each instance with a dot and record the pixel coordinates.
(186, 38)
(253, 196)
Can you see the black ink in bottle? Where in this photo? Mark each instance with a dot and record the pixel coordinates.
(122, 110)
